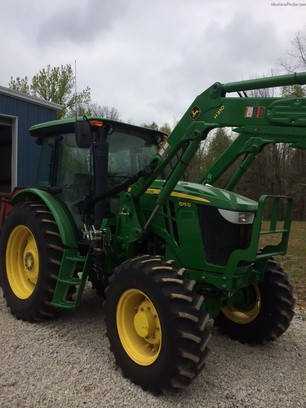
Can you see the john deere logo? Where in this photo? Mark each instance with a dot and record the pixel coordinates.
(194, 113)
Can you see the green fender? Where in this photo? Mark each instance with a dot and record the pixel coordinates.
(61, 215)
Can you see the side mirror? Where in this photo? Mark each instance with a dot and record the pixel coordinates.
(82, 133)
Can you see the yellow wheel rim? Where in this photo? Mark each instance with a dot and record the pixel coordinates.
(139, 327)
(22, 262)
(244, 314)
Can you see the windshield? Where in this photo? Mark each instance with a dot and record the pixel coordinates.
(127, 155)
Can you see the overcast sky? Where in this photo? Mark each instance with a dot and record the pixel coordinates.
(148, 58)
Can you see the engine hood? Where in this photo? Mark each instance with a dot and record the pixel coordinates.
(206, 194)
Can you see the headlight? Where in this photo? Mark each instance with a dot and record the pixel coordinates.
(236, 217)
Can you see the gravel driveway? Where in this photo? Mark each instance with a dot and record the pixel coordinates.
(67, 363)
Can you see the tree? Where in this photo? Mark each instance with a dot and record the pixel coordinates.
(295, 60)
(216, 146)
(293, 90)
(55, 85)
(194, 170)
(296, 55)
(208, 152)
(152, 125)
(166, 128)
(20, 84)
(105, 112)
(296, 169)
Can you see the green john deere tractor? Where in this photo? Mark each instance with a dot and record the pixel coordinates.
(109, 206)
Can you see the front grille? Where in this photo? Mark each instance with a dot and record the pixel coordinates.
(221, 237)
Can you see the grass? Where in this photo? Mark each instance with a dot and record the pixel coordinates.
(294, 261)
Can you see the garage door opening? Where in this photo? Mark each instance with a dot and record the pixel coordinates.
(8, 141)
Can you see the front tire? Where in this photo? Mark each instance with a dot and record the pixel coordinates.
(261, 313)
(30, 255)
(155, 324)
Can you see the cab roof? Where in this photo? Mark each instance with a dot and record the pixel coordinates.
(67, 125)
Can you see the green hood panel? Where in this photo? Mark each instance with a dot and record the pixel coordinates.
(206, 194)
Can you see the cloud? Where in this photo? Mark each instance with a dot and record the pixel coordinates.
(80, 23)
(149, 59)
(229, 49)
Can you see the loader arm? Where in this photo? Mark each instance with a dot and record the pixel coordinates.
(258, 120)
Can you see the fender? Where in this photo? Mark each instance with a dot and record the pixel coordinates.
(65, 224)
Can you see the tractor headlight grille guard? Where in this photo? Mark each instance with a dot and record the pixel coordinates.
(224, 231)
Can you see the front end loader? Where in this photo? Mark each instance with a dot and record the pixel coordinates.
(109, 206)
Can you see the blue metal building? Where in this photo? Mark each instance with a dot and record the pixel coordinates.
(18, 151)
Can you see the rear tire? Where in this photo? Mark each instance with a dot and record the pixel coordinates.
(155, 324)
(30, 256)
(266, 312)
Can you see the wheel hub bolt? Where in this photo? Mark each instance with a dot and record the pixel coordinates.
(29, 261)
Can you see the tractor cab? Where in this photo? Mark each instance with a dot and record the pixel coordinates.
(83, 159)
